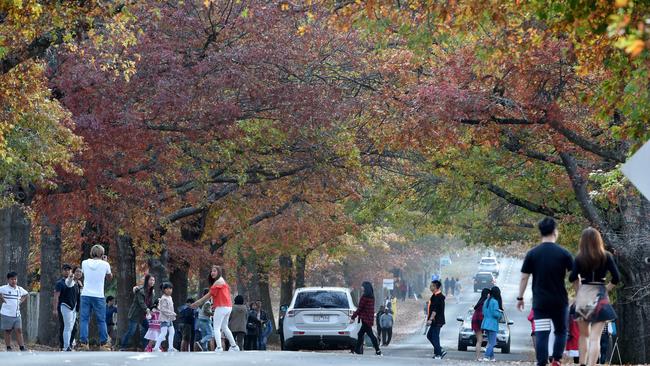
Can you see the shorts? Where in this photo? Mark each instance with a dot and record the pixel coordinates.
(186, 331)
(10, 322)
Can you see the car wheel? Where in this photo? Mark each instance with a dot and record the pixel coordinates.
(506, 348)
(461, 346)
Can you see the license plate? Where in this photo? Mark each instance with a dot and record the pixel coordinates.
(321, 318)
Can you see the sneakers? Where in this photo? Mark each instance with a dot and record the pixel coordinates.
(485, 359)
(218, 350)
(378, 353)
(106, 347)
(234, 348)
(172, 349)
(443, 354)
(83, 347)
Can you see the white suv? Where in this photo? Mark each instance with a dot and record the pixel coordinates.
(489, 264)
(319, 318)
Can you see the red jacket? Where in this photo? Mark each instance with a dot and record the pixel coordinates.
(572, 343)
(220, 296)
(365, 311)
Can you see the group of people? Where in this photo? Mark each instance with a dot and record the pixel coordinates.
(452, 286)
(384, 320)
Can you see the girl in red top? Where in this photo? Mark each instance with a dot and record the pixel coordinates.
(366, 313)
(222, 306)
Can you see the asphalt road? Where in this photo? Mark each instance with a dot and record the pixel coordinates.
(521, 347)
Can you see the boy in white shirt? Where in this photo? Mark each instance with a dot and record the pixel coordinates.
(95, 270)
(11, 296)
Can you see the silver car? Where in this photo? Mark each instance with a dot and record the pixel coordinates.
(467, 338)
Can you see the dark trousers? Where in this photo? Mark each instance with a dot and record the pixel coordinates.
(365, 329)
(134, 325)
(380, 333)
(604, 347)
(433, 335)
(250, 342)
(386, 336)
(240, 337)
(560, 319)
(61, 325)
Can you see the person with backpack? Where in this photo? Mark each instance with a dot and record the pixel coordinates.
(477, 320)
(492, 313)
(386, 322)
(186, 316)
(380, 331)
(366, 313)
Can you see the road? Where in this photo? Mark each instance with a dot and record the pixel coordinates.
(413, 351)
(521, 346)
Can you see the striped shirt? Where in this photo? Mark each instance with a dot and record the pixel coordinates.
(11, 296)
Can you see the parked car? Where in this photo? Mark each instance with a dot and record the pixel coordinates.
(484, 280)
(489, 264)
(319, 318)
(445, 261)
(466, 337)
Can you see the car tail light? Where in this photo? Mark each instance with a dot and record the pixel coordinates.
(298, 333)
(291, 313)
(344, 333)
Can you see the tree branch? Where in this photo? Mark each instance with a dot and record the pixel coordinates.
(522, 202)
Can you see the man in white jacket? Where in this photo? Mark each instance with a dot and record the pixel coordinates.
(96, 269)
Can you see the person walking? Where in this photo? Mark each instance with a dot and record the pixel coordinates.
(205, 325)
(380, 331)
(386, 322)
(143, 298)
(266, 327)
(96, 270)
(59, 287)
(452, 287)
(492, 313)
(11, 296)
(457, 290)
(68, 300)
(222, 306)
(153, 326)
(477, 321)
(187, 316)
(78, 281)
(167, 317)
(111, 310)
(436, 318)
(238, 321)
(366, 314)
(588, 276)
(447, 285)
(549, 264)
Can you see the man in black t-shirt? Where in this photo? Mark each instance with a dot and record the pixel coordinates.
(548, 263)
(436, 318)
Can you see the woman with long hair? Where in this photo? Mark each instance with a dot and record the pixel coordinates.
(588, 276)
(222, 306)
(142, 302)
(366, 314)
(492, 313)
(477, 319)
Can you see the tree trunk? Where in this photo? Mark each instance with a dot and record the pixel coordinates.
(286, 279)
(301, 263)
(253, 277)
(126, 279)
(48, 324)
(178, 278)
(265, 298)
(158, 268)
(15, 228)
(633, 310)
(242, 278)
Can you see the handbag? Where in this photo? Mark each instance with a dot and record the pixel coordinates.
(587, 300)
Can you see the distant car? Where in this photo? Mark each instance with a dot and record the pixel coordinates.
(484, 280)
(489, 264)
(467, 338)
(319, 318)
(445, 261)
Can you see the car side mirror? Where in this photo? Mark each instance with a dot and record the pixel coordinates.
(284, 308)
(460, 319)
(510, 322)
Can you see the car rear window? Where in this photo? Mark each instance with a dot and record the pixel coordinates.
(488, 261)
(485, 276)
(321, 299)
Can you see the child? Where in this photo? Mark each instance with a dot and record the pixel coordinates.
(187, 316)
(11, 296)
(153, 317)
(167, 317)
(111, 310)
(572, 344)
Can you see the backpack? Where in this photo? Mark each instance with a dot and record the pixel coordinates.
(386, 321)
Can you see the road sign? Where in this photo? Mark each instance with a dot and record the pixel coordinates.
(389, 283)
(636, 169)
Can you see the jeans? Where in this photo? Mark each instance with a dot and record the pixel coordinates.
(220, 323)
(98, 306)
(206, 332)
(133, 325)
(491, 343)
(264, 336)
(433, 335)
(365, 329)
(543, 319)
(69, 316)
